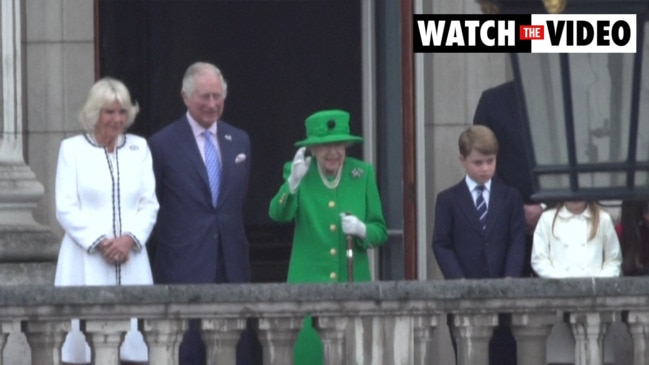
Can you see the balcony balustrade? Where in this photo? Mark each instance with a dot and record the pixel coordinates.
(359, 323)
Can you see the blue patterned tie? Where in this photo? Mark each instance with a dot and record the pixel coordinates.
(213, 166)
(481, 206)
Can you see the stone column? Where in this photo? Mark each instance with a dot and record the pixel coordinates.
(5, 328)
(472, 333)
(370, 338)
(277, 337)
(163, 337)
(397, 340)
(589, 329)
(27, 250)
(105, 337)
(639, 327)
(424, 328)
(531, 331)
(45, 338)
(221, 336)
(332, 334)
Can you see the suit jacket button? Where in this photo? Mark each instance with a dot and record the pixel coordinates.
(332, 204)
(333, 252)
(332, 227)
(333, 276)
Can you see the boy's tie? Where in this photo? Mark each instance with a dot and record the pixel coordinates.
(481, 206)
(213, 166)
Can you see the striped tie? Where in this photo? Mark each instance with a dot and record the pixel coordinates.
(481, 206)
(213, 166)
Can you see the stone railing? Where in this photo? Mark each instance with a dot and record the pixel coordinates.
(365, 323)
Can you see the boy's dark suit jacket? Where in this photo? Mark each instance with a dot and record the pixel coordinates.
(463, 250)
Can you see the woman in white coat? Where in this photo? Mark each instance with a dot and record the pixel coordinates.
(106, 203)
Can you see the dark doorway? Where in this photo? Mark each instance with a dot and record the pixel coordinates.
(282, 60)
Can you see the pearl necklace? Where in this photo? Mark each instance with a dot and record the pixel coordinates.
(333, 183)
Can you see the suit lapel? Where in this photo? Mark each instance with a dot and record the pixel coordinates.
(227, 158)
(493, 209)
(189, 150)
(467, 206)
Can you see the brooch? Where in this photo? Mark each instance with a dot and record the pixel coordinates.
(357, 172)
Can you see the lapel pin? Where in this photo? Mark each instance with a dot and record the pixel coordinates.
(228, 137)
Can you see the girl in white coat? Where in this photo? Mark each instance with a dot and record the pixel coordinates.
(106, 203)
(576, 239)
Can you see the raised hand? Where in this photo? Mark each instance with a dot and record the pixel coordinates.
(298, 169)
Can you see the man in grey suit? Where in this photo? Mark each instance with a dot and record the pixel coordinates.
(201, 165)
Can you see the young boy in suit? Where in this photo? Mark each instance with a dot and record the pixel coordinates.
(465, 247)
(480, 225)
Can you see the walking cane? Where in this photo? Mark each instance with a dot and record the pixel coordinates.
(350, 258)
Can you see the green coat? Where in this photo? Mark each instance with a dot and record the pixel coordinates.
(319, 245)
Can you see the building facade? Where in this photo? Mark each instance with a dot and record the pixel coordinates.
(52, 54)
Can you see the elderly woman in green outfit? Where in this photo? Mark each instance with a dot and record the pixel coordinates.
(328, 200)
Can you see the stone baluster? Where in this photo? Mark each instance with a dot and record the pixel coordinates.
(472, 333)
(5, 330)
(163, 337)
(221, 336)
(397, 340)
(332, 334)
(277, 337)
(364, 339)
(6, 327)
(104, 338)
(45, 339)
(639, 328)
(589, 329)
(531, 331)
(424, 328)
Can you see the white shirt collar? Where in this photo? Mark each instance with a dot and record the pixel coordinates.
(472, 184)
(197, 129)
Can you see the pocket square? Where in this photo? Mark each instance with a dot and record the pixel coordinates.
(240, 158)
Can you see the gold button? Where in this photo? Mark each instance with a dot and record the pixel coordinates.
(333, 276)
(333, 252)
(332, 204)
(332, 227)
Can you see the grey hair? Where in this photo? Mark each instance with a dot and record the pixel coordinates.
(201, 68)
(105, 91)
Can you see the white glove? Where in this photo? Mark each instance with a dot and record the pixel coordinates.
(353, 226)
(298, 169)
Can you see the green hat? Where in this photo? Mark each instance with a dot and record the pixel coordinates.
(328, 126)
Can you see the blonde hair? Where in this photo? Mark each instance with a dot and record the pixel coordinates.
(479, 138)
(594, 211)
(105, 91)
